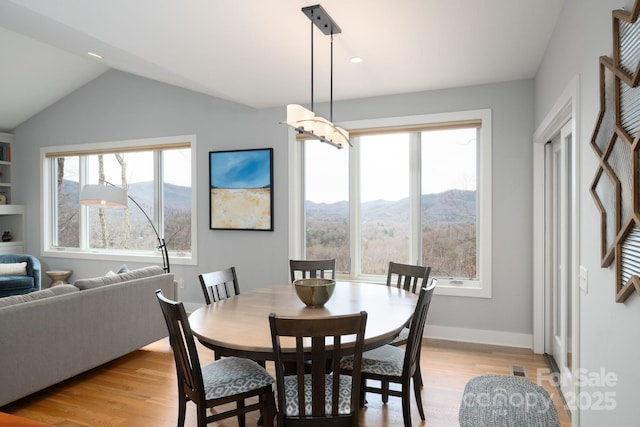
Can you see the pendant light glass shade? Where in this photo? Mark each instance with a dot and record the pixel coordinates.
(306, 122)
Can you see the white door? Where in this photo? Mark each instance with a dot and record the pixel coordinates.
(559, 256)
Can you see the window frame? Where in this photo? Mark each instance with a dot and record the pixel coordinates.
(48, 218)
(480, 288)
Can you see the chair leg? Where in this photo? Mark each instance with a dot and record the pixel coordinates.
(384, 386)
(406, 403)
(363, 392)
(241, 417)
(269, 408)
(202, 415)
(261, 417)
(182, 409)
(416, 391)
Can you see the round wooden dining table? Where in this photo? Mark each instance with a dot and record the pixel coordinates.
(240, 325)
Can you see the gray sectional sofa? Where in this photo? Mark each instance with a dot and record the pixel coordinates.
(56, 333)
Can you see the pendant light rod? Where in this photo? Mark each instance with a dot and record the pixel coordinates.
(321, 19)
(312, 55)
(331, 84)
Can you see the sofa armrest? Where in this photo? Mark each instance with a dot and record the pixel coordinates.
(34, 270)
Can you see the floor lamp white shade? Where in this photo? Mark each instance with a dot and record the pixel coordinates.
(103, 196)
(110, 196)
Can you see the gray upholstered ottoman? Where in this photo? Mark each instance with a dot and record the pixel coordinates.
(504, 401)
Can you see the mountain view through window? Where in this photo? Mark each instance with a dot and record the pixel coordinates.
(435, 169)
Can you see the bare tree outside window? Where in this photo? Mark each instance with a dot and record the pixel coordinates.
(125, 229)
(448, 202)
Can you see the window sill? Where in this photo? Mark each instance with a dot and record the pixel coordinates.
(471, 289)
(446, 286)
(142, 257)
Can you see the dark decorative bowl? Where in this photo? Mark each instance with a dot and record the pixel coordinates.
(314, 292)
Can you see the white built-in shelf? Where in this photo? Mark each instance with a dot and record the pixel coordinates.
(11, 216)
(6, 140)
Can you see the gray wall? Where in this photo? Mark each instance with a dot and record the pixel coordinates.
(119, 106)
(511, 104)
(609, 335)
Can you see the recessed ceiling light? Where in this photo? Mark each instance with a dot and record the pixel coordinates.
(95, 55)
(355, 60)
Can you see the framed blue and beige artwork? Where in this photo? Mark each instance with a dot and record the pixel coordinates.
(241, 189)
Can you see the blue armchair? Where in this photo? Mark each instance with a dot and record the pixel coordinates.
(11, 284)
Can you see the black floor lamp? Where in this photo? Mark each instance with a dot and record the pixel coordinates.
(110, 196)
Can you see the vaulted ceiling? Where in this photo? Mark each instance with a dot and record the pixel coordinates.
(258, 52)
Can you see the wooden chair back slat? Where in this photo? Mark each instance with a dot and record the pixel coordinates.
(185, 354)
(414, 342)
(312, 268)
(219, 285)
(408, 277)
(320, 342)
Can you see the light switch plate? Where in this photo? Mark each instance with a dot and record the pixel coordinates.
(584, 275)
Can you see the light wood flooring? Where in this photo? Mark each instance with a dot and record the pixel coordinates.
(140, 389)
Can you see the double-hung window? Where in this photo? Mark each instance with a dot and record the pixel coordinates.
(157, 174)
(413, 190)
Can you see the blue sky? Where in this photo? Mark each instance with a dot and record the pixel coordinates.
(240, 169)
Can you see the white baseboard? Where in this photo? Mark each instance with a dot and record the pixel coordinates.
(479, 336)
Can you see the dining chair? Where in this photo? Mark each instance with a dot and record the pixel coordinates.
(391, 364)
(219, 285)
(410, 278)
(318, 398)
(227, 380)
(312, 268)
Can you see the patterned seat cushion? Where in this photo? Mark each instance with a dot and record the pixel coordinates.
(291, 395)
(385, 360)
(233, 375)
(402, 337)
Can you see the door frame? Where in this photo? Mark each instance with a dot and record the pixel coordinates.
(564, 110)
(559, 229)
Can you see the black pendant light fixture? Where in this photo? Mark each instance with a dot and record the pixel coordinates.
(305, 121)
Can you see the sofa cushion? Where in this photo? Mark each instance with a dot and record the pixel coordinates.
(13, 269)
(139, 273)
(96, 282)
(15, 283)
(33, 296)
